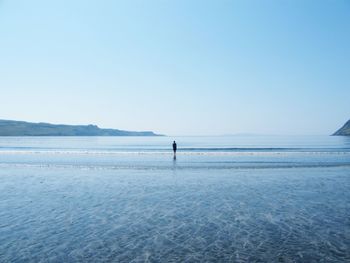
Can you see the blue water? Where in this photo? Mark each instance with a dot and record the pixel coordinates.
(224, 199)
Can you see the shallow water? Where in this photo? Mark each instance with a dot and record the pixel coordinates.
(225, 199)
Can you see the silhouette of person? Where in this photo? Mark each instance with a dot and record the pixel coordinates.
(174, 149)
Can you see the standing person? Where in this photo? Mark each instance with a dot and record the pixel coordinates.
(174, 149)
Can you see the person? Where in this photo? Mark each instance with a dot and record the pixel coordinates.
(174, 149)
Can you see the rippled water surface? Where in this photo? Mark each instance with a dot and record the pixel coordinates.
(224, 199)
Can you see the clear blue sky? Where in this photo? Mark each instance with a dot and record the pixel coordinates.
(180, 67)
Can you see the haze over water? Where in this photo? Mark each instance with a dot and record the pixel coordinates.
(124, 199)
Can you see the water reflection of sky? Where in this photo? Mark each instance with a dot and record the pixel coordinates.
(70, 215)
(90, 204)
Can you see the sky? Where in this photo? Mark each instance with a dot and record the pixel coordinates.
(178, 67)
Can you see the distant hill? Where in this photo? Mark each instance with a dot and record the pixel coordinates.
(22, 128)
(345, 130)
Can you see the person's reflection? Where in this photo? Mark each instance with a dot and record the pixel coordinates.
(174, 164)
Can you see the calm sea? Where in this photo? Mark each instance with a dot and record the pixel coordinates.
(224, 199)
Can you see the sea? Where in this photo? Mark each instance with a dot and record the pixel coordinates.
(223, 199)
